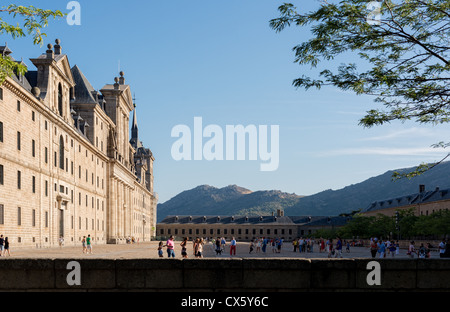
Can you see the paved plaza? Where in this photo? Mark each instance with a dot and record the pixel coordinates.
(149, 250)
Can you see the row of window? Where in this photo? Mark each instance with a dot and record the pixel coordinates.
(225, 231)
(46, 190)
(46, 219)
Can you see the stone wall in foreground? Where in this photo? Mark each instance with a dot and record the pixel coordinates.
(233, 275)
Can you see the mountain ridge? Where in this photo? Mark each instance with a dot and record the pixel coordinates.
(237, 200)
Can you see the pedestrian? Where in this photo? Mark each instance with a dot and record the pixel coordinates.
(160, 251)
(83, 243)
(422, 252)
(61, 241)
(89, 244)
(393, 249)
(264, 245)
(7, 247)
(2, 245)
(199, 249)
(223, 243)
(322, 245)
(411, 249)
(279, 245)
(441, 248)
(218, 247)
(381, 249)
(183, 248)
(258, 245)
(373, 248)
(170, 245)
(338, 251)
(233, 247)
(330, 248)
(348, 247)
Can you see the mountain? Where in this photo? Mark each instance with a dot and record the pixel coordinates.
(230, 200)
(235, 200)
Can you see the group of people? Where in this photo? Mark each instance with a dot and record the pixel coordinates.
(261, 244)
(218, 244)
(4, 246)
(383, 248)
(86, 242)
(303, 244)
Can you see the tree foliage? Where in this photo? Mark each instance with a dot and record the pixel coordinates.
(405, 56)
(436, 224)
(31, 21)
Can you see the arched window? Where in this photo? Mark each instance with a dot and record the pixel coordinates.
(61, 153)
(60, 100)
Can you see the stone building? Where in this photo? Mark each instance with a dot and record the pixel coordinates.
(423, 203)
(246, 228)
(67, 165)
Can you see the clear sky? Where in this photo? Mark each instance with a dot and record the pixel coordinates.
(220, 60)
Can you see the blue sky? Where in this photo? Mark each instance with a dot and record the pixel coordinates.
(221, 61)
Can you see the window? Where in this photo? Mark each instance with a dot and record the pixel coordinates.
(19, 216)
(1, 131)
(1, 94)
(33, 217)
(33, 184)
(18, 106)
(46, 155)
(46, 188)
(18, 140)
(46, 219)
(32, 116)
(33, 148)
(60, 100)
(19, 177)
(1, 175)
(61, 153)
(2, 214)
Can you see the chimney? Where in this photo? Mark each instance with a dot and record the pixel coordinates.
(422, 188)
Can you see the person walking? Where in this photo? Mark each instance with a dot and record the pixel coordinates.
(199, 248)
(170, 247)
(441, 248)
(160, 251)
(393, 249)
(381, 249)
(7, 247)
(338, 253)
(373, 248)
(2, 245)
(183, 248)
(233, 247)
(83, 243)
(411, 249)
(89, 244)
